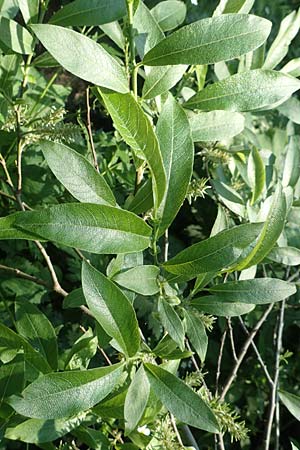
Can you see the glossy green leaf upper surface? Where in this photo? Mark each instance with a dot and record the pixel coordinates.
(140, 279)
(215, 305)
(245, 91)
(180, 399)
(210, 40)
(111, 308)
(77, 175)
(257, 291)
(215, 253)
(82, 56)
(136, 129)
(89, 12)
(169, 14)
(174, 136)
(94, 228)
(64, 394)
(171, 321)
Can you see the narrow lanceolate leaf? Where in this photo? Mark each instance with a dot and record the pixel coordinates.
(94, 228)
(292, 67)
(215, 253)
(149, 32)
(212, 304)
(38, 431)
(245, 91)
(11, 378)
(233, 6)
(271, 231)
(210, 40)
(161, 79)
(256, 174)
(29, 10)
(65, 394)
(291, 169)
(89, 12)
(196, 333)
(289, 27)
(8, 228)
(15, 37)
(257, 291)
(180, 399)
(171, 322)
(174, 136)
(169, 14)
(140, 279)
(78, 176)
(291, 402)
(69, 47)
(291, 109)
(111, 308)
(137, 131)
(12, 342)
(33, 325)
(136, 400)
(216, 125)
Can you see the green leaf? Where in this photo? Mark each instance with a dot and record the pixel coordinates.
(214, 305)
(69, 47)
(143, 199)
(245, 91)
(82, 351)
(233, 6)
(171, 321)
(257, 291)
(289, 256)
(291, 109)
(169, 14)
(15, 37)
(174, 136)
(289, 27)
(111, 308)
(291, 169)
(215, 253)
(65, 394)
(89, 12)
(94, 228)
(140, 279)
(167, 348)
(94, 439)
(11, 379)
(210, 40)
(10, 341)
(196, 333)
(136, 400)
(216, 125)
(256, 174)
(33, 325)
(29, 10)
(270, 233)
(292, 67)
(149, 32)
(160, 79)
(74, 300)
(180, 399)
(79, 177)
(8, 229)
(291, 402)
(38, 431)
(136, 129)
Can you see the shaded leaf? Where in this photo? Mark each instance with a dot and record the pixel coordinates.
(169, 14)
(140, 279)
(256, 174)
(216, 125)
(111, 308)
(214, 305)
(136, 400)
(171, 322)
(15, 37)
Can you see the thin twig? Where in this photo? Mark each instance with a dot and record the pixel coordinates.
(220, 360)
(259, 357)
(166, 248)
(231, 339)
(173, 422)
(89, 129)
(244, 350)
(4, 194)
(274, 392)
(8, 178)
(25, 276)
